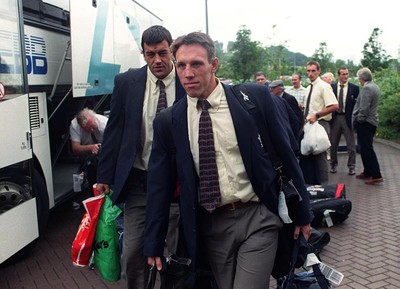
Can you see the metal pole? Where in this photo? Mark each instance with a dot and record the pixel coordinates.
(206, 17)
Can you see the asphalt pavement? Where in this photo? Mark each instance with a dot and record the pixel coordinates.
(365, 247)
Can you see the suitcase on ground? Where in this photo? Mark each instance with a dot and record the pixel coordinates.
(328, 212)
(336, 191)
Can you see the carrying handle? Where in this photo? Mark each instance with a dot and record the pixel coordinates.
(301, 242)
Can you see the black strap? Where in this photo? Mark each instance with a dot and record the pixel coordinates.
(307, 110)
(94, 138)
(244, 99)
(322, 282)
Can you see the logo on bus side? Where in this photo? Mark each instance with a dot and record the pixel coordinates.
(35, 54)
(35, 50)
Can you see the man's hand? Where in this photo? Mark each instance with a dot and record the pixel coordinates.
(155, 261)
(306, 230)
(312, 118)
(103, 188)
(94, 148)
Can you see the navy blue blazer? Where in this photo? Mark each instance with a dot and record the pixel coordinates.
(351, 97)
(172, 138)
(122, 133)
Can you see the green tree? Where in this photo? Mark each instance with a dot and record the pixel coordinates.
(246, 57)
(324, 57)
(374, 56)
(388, 81)
(278, 61)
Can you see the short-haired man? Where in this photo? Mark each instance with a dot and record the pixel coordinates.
(86, 132)
(297, 90)
(320, 103)
(261, 78)
(277, 88)
(139, 94)
(365, 121)
(228, 186)
(346, 93)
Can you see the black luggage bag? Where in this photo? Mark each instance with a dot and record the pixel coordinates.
(335, 191)
(328, 212)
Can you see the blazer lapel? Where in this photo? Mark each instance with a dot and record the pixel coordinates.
(241, 122)
(181, 138)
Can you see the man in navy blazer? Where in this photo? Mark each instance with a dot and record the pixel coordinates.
(240, 236)
(341, 122)
(127, 142)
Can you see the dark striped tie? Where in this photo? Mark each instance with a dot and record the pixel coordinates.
(162, 99)
(341, 98)
(210, 195)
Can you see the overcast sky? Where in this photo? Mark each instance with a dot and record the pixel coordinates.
(344, 25)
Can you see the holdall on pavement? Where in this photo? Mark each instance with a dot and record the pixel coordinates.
(302, 280)
(335, 191)
(318, 240)
(329, 212)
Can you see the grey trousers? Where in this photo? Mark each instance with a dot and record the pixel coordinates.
(339, 127)
(241, 245)
(134, 268)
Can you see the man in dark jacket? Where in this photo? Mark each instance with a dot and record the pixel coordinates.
(139, 94)
(278, 89)
(346, 93)
(229, 193)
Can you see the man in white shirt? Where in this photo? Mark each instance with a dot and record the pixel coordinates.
(320, 102)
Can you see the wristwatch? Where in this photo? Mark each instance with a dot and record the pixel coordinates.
(317, 115)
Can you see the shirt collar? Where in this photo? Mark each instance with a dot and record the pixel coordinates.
(214, 98)
(167, 80)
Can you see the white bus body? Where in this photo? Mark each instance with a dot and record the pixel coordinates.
(72, 53)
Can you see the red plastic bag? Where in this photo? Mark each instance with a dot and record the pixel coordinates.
(82, 246)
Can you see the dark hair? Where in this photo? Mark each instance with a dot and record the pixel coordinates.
(199, 38)
(156, 34)
(341, 68)
(313, 62)
(260, 73)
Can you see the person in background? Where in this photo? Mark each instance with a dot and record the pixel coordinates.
(328, 77)
(138, 95)
(261, 78)
(320, 103)
(365, 122)
(346, 93)
(297, 90)
(277, 88)
(228, 184)
(86, 133)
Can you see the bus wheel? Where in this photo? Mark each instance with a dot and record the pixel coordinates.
(42, 200)
(11, 195)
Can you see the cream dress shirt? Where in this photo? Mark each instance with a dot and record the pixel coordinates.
(321, 97)
(149, 113)
(233, 180)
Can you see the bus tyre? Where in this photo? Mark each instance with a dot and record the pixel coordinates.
(42, 200)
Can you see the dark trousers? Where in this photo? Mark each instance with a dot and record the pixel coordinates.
(241, 245)
(339, 127)
(365, 138)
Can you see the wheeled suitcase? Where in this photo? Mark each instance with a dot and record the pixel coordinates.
(330, 211)
(336, 191)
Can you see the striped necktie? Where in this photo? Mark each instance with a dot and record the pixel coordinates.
(341, 99)
(162, 99)
(210, 195)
